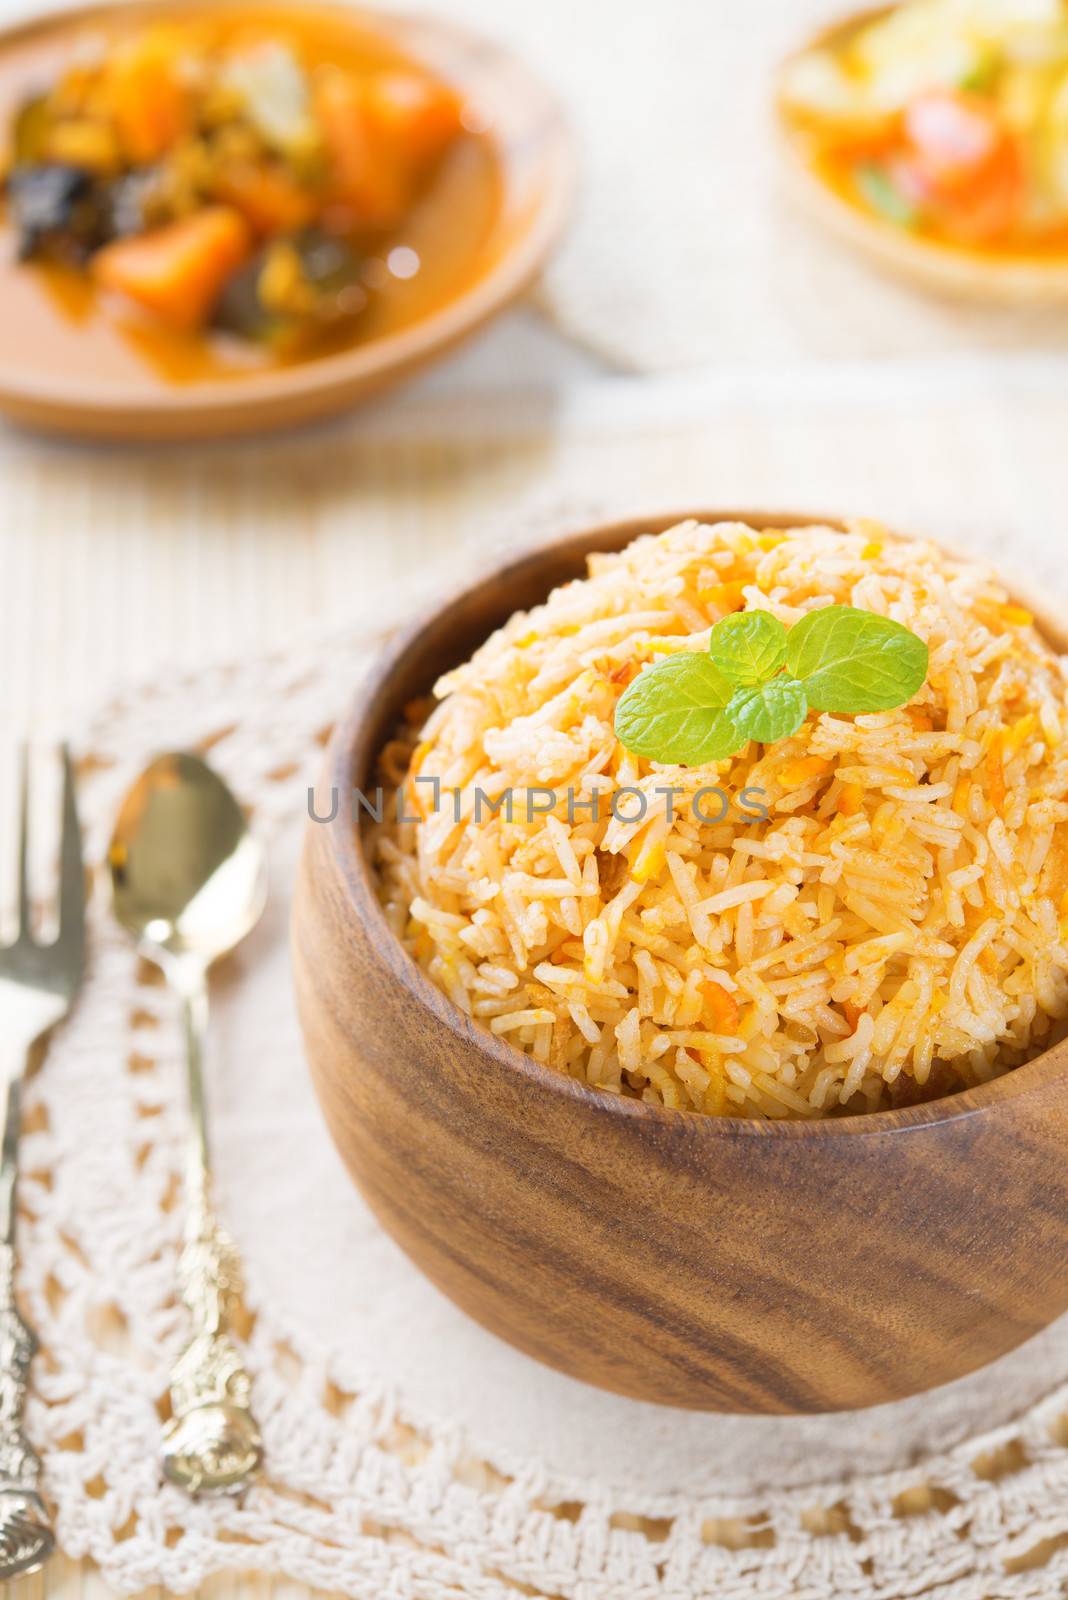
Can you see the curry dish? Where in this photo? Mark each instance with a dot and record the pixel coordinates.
(229, 189)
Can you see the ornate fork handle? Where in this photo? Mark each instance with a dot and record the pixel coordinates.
(211, 1445)
(26, 1538)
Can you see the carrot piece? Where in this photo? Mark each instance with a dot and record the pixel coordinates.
(269, 200)
(1020, 732)
(148, 102)
(852, 1013)
(995, 773)
(413, 114)
(716, 1093)
(725, 596)
(623, 674)
(177, 272)
(802, 770)
(850, 799)
(723, 1006)
(372, 188)
(646, 857)
(381, 135)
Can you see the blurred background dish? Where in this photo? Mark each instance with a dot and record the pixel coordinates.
(935, 133)
(232, 218)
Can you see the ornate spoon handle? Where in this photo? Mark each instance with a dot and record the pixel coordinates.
(26, 1538)
(211, 1444)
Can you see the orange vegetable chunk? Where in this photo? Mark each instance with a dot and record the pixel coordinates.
(996, 791)
(146, 97)
(722, 1006)
(967, 161)
(382, 134)
(177, 272)
(850, 799)
(368, 186)
(269, 200)
(955, 136)
(412, 114)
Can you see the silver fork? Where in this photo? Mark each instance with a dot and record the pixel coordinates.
(37, 984)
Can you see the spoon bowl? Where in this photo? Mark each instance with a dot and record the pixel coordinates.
(188, 878)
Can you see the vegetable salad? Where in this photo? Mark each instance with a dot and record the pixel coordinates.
(945, 117)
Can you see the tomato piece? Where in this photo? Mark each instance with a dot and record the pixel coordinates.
(994, 209)
(954, 136)
(968, 165)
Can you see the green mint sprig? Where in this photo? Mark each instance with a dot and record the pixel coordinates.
(760, 680)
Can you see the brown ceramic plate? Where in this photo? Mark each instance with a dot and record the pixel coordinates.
(68, 364)
(1007, 278)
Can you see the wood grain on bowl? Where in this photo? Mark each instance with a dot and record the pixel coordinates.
(478, 233)
(696, 1261)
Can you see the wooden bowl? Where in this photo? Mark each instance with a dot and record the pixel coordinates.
(1011, 280)
(68, 370)
(714, 1263)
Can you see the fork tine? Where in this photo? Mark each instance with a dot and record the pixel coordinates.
(24, 843)
(71, 872)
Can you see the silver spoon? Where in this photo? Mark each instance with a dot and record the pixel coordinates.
(188, 881)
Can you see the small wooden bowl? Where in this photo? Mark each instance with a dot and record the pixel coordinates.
(714, 1263)
(1016, 281)
(78, 378)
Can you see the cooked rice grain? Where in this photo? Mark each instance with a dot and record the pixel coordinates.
(894, 930)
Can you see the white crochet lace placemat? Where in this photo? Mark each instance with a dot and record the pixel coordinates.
(409, 1453)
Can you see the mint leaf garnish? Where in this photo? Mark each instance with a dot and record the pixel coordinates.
(748, 646)
(769, 711)
(854, 661)
(690, 708)
(674, 711)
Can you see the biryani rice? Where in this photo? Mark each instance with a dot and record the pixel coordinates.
(895, 929)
